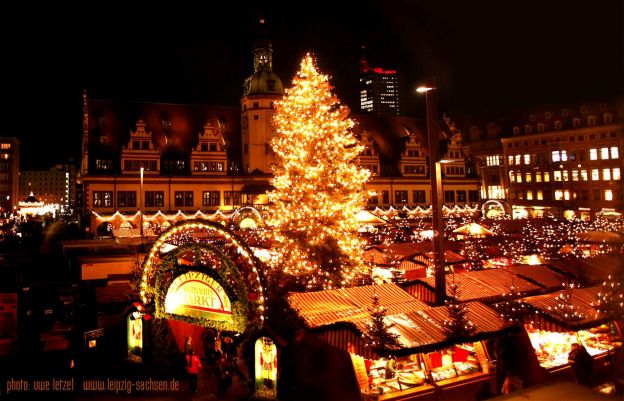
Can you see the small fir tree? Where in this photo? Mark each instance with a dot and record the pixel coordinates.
(457, 325)
(378, 335)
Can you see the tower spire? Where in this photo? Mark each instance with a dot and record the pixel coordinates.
(263, 49)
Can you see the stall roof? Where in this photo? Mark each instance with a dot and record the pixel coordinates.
(540, 275)
(581, 299)
(347, 304)
(422, 329)
(483, 285)
(474, 229)
(590, 270)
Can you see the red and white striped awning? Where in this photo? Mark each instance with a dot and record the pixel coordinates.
(581, 298)
(347, 304)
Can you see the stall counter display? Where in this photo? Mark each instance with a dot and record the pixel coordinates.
(391, 375)
(552, 348)
(453, 362)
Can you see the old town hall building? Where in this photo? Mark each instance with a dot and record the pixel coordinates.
(152, 157)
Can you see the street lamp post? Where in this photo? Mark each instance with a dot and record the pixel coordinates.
(435, 173)
(141, 205)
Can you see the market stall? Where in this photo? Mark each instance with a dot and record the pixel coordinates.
(428, 365)
(551, 331)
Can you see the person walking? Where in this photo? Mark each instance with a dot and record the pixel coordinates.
(193, 366)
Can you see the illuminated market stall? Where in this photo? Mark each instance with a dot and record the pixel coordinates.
(428, 365)
(566, 317)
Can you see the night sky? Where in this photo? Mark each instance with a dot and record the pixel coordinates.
(488, 56)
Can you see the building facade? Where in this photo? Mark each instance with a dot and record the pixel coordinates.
(565, 164)
(9, 174)
(380, 90)
(152, 157)
(54, 186)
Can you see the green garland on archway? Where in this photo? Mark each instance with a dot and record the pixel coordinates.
(227, 275)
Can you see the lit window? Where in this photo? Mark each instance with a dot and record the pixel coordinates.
(564, 156)
(615, 152)
(593, 154)
(575, 176)
(527, 159)
(595, 174)
(608, 195)
(566, 195)
(616, 174)
(510, 160)
(584, 175)
(540, 195)
(606, 174)
(558, 194)
(518, 159)
(555, 156)
(546, 176)
(512, 176)
(527, 177)
(519, 176)
(565, 175)
(538, 176)
(604, 153)
(529, 195)
(557, 175)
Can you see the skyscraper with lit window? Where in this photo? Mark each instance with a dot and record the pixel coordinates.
(9, 173)
(380, 90)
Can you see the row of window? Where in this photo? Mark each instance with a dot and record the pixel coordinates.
(411, 169)
(572, 138)
(566, 194)
(135, 165)
(157, 198)
(418, 196)
(557, 156)
(608, 174)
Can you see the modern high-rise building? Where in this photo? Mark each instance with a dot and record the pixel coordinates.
(380, 90)
(9, 174)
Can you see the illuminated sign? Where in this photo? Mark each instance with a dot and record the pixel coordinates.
(198, 295)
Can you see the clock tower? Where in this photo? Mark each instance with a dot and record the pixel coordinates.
(260, 91)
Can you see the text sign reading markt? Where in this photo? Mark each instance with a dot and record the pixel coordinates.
(198, 295)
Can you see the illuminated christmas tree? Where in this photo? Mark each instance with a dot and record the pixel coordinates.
(318, 184)
(457, 326)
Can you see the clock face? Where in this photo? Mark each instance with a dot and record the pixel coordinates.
(245, 122)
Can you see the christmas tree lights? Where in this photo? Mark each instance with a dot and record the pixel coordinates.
(318, 184)
(458, 325)
(610, 299)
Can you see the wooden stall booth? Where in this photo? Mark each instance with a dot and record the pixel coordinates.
(427, 366)
(566, 317)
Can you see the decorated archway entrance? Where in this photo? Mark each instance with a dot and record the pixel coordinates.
(200, 275)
